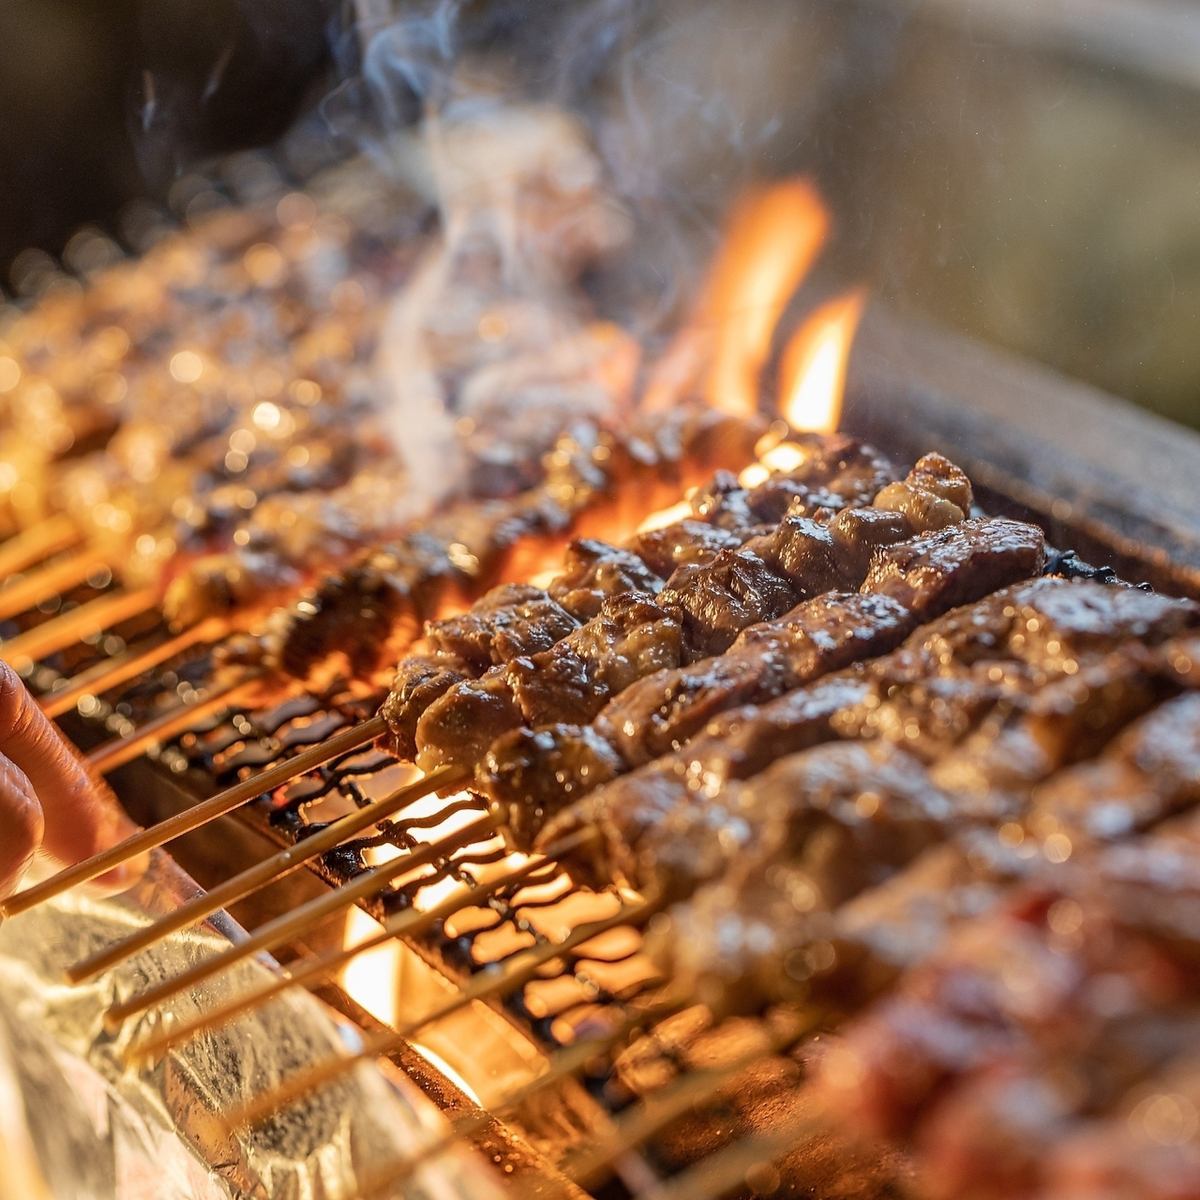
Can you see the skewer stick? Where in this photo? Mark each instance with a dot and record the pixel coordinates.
(69, 627)
(50, 580)
(486, 985)
(316, 970)
(119, 751)
(565, 1064)
(37, 542)
(108, 674)
(655, 1113)
(726, 1170)
(200, 814)
(290, 926)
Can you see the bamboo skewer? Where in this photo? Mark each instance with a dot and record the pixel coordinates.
(289, 926)
(659, 1110)
(565, 1064)
(713, 1177)
(114, 671)
(51, 580)
(119, 751)
(487, 985)
(69, 627)
(316, 970)
(39, 541)
(184, 822)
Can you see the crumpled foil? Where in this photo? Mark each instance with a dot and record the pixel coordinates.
(77, 1124)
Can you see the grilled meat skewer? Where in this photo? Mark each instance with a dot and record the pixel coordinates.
(530, 775)
(782, 927)
(833, 821)
(1033, 1024)
(1007, 667)
(697, 614)
(168, 342)
(363, 614)
(519, 621)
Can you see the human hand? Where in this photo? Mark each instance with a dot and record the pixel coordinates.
(47, 797)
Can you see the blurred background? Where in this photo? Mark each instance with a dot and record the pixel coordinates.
(1024, 171)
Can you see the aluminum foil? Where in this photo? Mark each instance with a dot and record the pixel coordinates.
(77, 1124)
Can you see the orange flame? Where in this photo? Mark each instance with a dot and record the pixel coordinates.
(812, 372)
(772, 239)
(372, 977)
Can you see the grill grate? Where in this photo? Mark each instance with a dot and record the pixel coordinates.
(601, 985)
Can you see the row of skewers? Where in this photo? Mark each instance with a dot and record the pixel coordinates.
(611, 717)
(872, 763)
(246, 410)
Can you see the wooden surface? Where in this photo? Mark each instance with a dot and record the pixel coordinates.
(1105, 478)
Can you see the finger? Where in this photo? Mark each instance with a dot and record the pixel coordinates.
(21, 824)
(81, 815)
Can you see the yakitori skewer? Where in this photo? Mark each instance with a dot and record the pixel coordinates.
(70, 627)
(111, 755)
(135, 661)
(200, 814)
(290, 926)
(317, 970)
(50, 580)
(490, 984)
(51, 536)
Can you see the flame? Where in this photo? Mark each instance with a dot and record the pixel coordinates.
(372, 978)
(665, 517)
(812, 372)
(772, 239)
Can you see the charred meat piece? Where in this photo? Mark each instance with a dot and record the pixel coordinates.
(683, 543)
(927, 575)
(511, 620)
(837, 472)
(595, 570)
(419, 681)
(359, 613)
(1151, 771)
(717, 600)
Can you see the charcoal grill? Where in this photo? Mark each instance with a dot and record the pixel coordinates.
(1044, 449)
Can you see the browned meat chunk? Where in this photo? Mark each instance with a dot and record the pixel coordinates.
(418, 683)
(534, 773)
(717, 600)
(956, 564)
(631, 637)
(1150, 772)
(594, 570)
(682, 543)
(515, 619)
